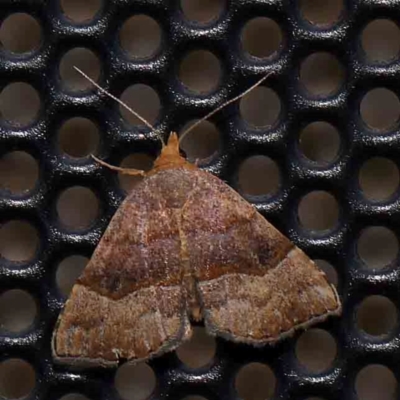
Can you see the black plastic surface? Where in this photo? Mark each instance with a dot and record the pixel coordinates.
(238, 141)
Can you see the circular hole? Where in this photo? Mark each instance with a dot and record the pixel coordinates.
(74, 396)
(376, 315)
(194, 397)
(377, 246)
(329, 271)
(261, 107)
(68, 272)
(259, 175)
(376, 382)
(80, 11)
(140, 36)
(379, 178)
(19, 172)
(316, 350)
(318, 210)
(19, 103)
(135, 382)
(381, 40)
(261, 37)
(200, 71)
(20, 33)
(321, 74)
(20, 315)
(79, 137)
(320, 142)
(140, 161)
(255, 381)
(144, 100)
(19, 241)
(380, 109)
(17, 378)
(86, 61)
(202, 142)
(202, 11)
(321, 12)
(199, 351)
(77, 207)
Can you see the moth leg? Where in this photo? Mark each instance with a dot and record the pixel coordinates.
(125, 171)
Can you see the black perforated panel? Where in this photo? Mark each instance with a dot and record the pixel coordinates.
(238, 140)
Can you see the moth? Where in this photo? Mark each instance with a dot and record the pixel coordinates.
(185, 246)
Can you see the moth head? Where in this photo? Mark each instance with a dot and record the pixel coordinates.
(170, 156)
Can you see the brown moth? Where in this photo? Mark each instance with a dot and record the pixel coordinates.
(183, 245)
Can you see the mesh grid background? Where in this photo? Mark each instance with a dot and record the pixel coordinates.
(238, 140)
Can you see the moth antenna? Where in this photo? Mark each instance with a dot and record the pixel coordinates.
(133, 112)
(236, 98)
